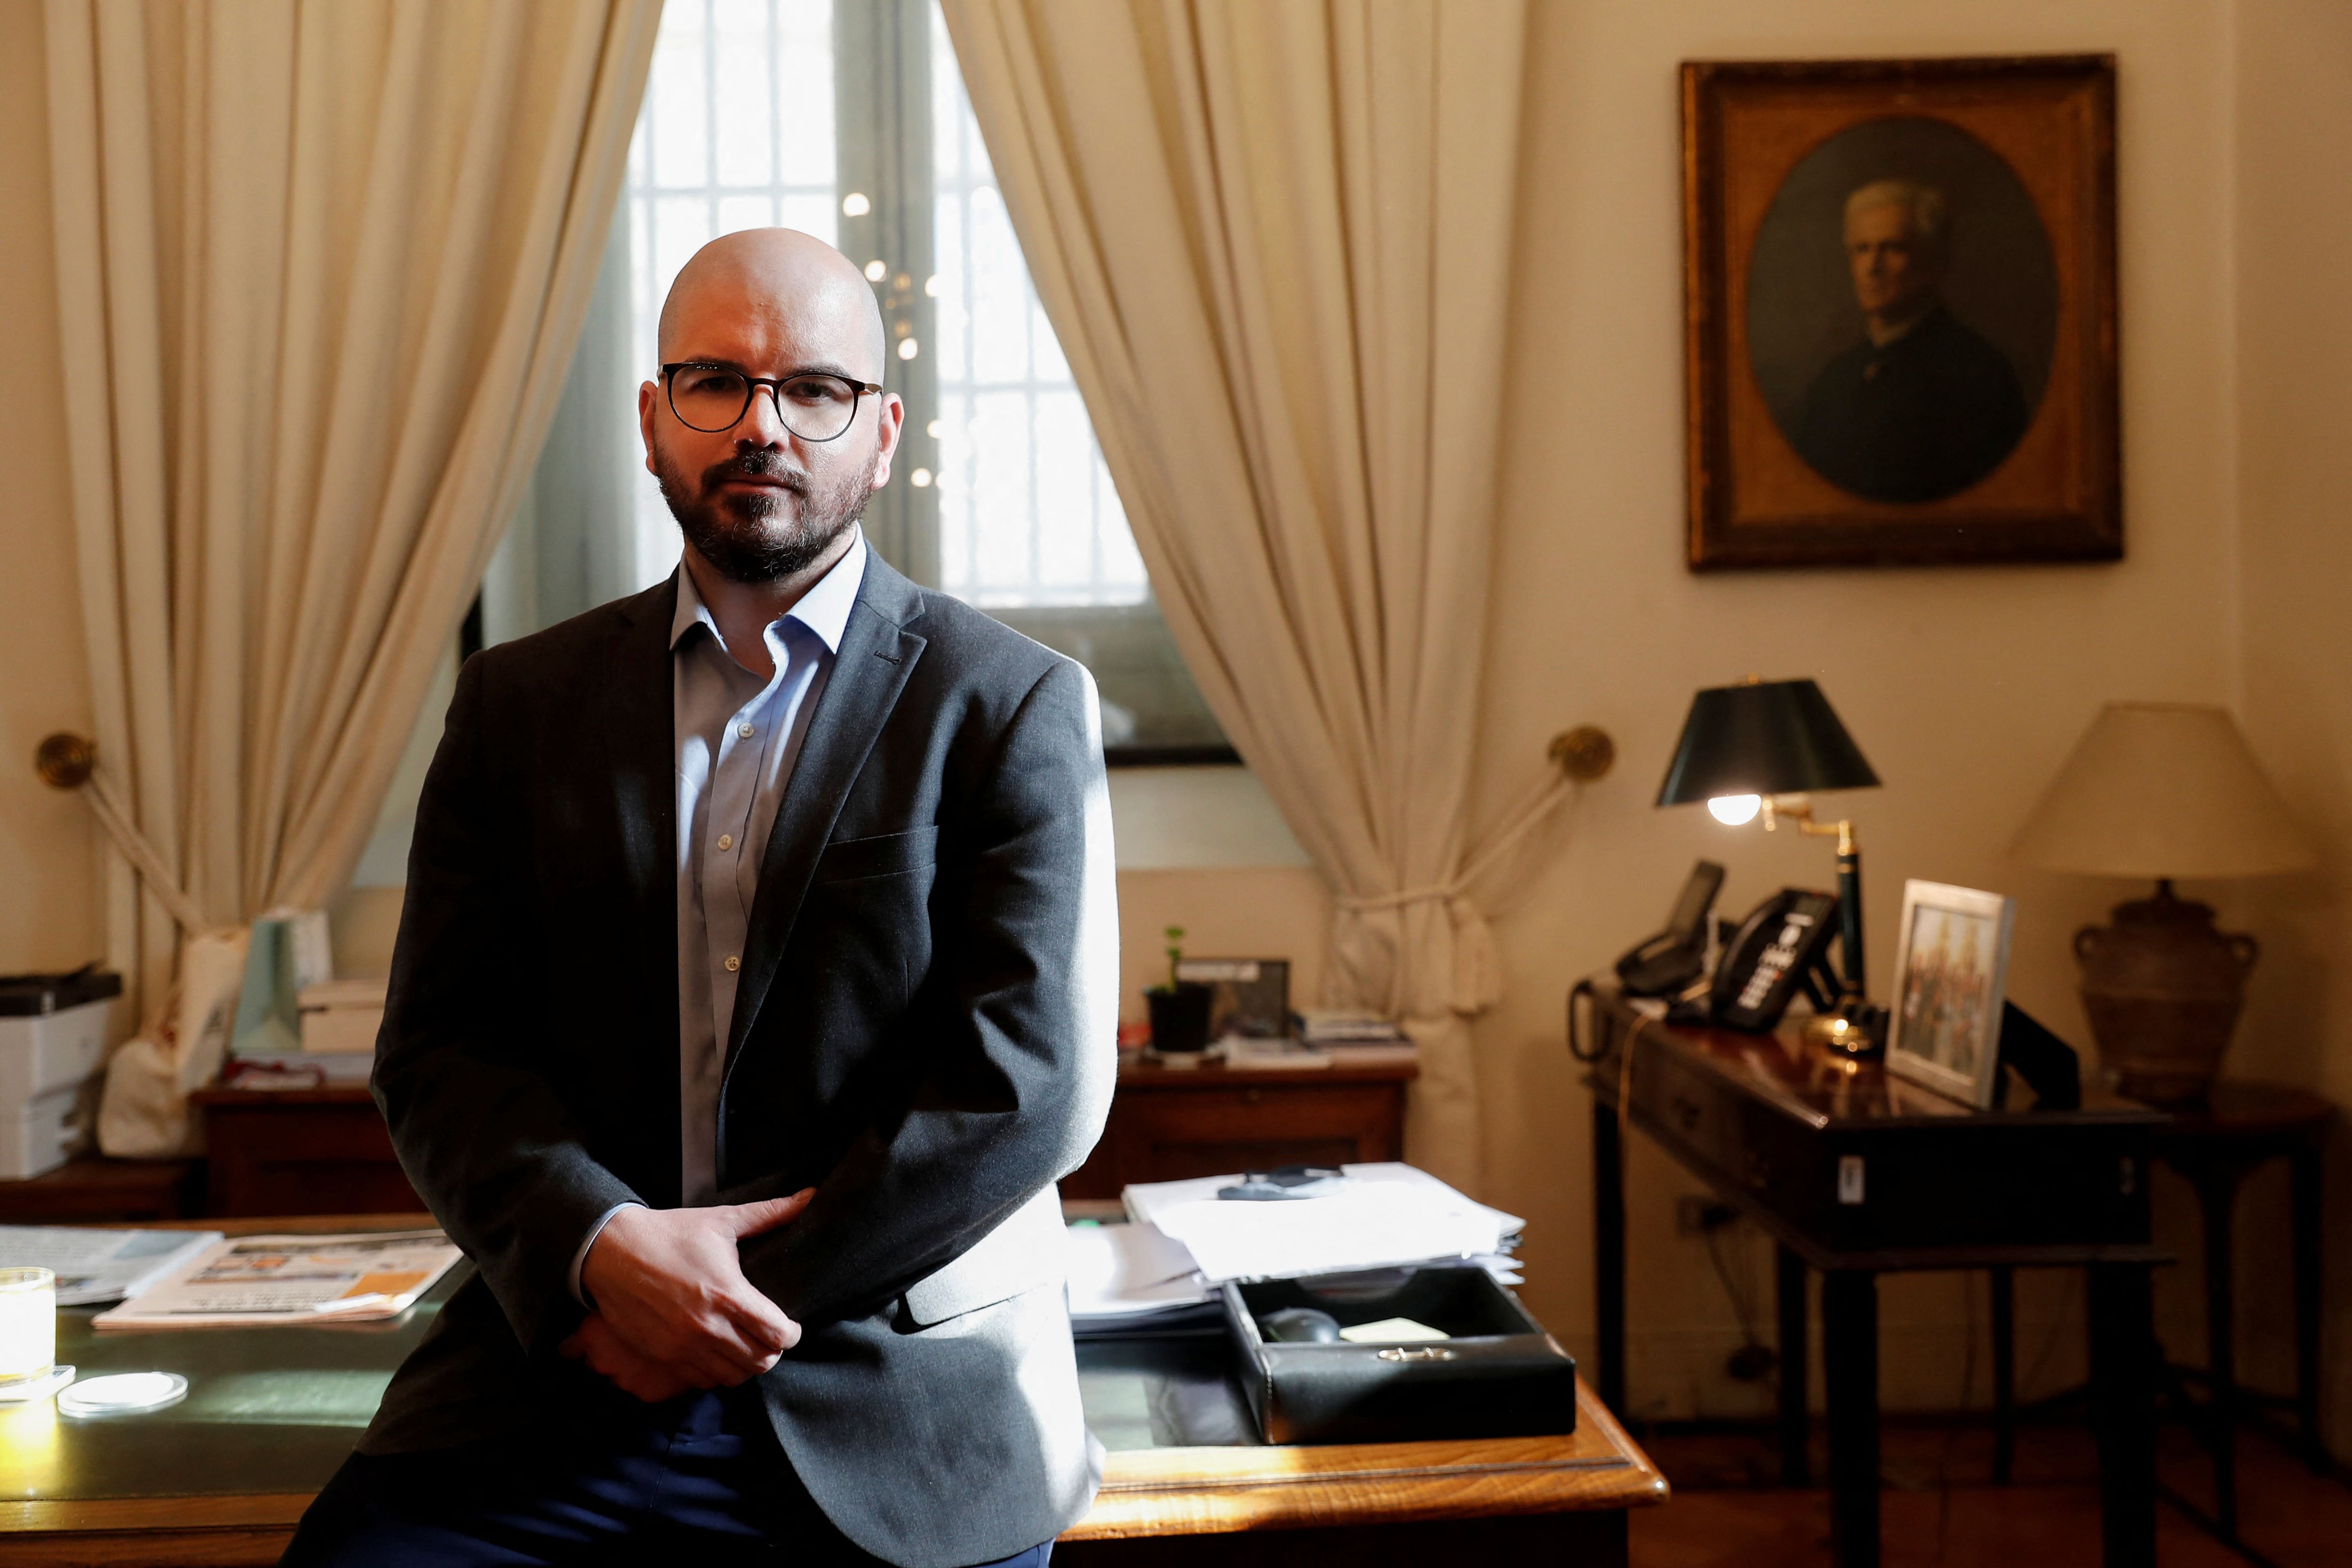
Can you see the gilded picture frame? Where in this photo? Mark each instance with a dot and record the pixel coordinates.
(1900, 312)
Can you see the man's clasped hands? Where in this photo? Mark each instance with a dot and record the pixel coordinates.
(672, 1309)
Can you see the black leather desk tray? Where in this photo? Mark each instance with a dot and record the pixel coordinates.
(1500, 1375)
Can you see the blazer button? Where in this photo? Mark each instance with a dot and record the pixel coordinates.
(733, 964)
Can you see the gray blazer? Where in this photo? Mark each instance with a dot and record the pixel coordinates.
(925, 1033)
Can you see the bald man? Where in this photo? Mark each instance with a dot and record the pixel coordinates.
(756, 982)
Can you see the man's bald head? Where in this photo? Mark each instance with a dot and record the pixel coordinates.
(780, 286)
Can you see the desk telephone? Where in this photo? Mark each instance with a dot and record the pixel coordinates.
(1781, 947)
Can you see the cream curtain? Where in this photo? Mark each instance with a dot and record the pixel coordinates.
(320, 266)
(1275, 239)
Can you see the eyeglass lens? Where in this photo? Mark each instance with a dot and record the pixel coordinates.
(710, 398)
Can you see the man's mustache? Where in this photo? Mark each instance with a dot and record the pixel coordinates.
(767, 467)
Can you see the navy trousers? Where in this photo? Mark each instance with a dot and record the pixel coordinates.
(699, 1479)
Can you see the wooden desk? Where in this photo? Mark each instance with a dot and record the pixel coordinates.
(300, 1151)
(1168, 1124)
(271, 1412)
(1855, 1173)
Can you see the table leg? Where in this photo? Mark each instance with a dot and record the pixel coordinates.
(2004, 1374)
(2304, 1168)
(1796, 1468)
(2123, 1410)
(2217, 1197)
(1849, 1364)
(1609, 1252)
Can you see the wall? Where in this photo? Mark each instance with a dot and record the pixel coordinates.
(2294, 503)
(48, 879)
(1965, 686)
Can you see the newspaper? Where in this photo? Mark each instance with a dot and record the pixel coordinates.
(94, 1266)
(292, 1280)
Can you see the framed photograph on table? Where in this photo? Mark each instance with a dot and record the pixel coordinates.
(1951, 964)
(1900, 284)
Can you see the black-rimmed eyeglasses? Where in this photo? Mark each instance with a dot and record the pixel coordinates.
(814, 405)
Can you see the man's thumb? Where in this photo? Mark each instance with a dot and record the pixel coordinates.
(750, 1219)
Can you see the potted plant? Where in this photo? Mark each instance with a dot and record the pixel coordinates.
(1180, 1009)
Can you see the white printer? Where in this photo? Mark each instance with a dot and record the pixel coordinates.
(52, 1044)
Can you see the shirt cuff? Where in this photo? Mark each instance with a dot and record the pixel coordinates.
(581, 1257)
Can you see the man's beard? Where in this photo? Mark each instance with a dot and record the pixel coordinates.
(747, 535)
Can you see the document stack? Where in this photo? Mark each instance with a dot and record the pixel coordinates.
(1160, 1271)
(1357, 1039)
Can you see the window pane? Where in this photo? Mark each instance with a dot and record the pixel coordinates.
(1050, 534)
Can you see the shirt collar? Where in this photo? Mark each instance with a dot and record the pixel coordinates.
(823, 609)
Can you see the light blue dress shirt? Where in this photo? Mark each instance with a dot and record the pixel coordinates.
(736, 741)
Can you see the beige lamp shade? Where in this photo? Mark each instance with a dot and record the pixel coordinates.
(2162, 789)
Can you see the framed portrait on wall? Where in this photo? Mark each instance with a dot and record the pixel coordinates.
(1899, 282)
(1951, 968)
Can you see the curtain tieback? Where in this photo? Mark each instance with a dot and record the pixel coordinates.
(68, 762)
(1478, 978)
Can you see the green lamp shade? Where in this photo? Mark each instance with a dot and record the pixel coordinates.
(1766, 737)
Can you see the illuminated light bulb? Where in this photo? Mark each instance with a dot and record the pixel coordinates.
(921, 478)
(855, 205)
(909, 348)
(936, 428)
(931, 286)
(1735, 810)
(875, 270)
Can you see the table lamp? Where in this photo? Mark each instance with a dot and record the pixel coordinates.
(2163, 790)
(1743, 746)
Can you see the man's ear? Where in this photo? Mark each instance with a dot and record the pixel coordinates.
(888, 428)
(648, 395)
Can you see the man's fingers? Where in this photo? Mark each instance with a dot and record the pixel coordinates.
(750, 1219)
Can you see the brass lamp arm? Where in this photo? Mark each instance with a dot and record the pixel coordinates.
(1801, 815)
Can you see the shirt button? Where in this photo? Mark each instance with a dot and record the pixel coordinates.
(744, 731)
(733, 964)
(727, 841)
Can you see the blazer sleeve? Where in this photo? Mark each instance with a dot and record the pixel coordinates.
(481, 1133)
(1018, 1075)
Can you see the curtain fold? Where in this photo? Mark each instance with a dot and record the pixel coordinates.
(321, 265)
(1274, 241)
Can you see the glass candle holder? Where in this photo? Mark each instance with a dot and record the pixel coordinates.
(29, 1325)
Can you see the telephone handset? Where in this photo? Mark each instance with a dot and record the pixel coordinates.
(1781, 945)
(1670, 960)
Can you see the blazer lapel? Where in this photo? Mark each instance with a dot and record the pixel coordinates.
(641, 739)
(877, 656)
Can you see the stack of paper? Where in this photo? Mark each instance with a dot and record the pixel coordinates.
(1379, 1216)
(94, 1266)
(1357, 1039)
(1131, 1279)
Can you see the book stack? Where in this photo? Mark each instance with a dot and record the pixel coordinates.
(1358, 1039)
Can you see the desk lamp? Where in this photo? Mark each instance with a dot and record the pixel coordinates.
(2160, 790)
(1745, 745)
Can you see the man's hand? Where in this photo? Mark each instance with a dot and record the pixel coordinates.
(672, 1308)
(595, 1342)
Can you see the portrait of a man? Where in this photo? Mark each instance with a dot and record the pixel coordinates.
(1923, 406)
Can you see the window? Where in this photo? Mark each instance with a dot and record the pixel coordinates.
(850, 121)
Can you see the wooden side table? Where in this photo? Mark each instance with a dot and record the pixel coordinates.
(1168, 1124)
(94, 1189)
(1856, 1174)
(300, 1152)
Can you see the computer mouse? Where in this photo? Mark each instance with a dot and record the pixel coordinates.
(1300, 1326)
